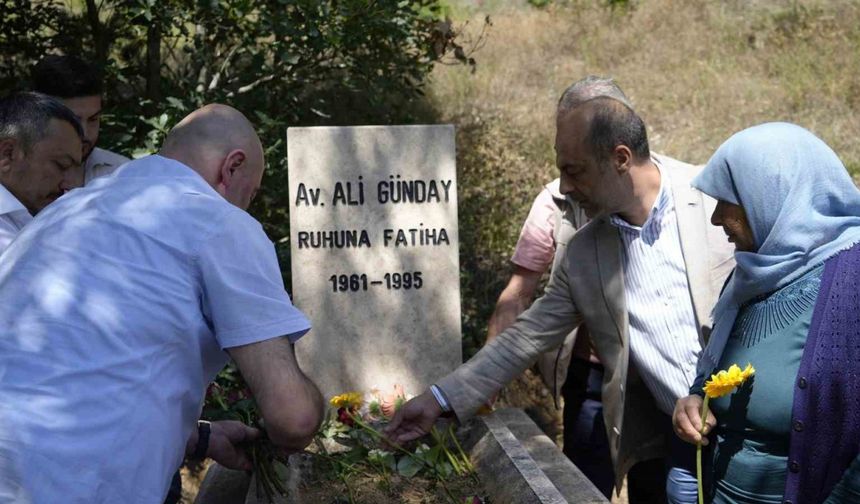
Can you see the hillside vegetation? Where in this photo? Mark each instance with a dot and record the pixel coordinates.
(697, 71)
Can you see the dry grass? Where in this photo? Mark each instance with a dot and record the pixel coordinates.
(696, 70)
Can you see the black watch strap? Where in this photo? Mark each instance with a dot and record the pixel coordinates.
(204, 428)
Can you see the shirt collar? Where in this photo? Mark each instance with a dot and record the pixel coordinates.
(650, 230)
(156, 165)
(9, 203)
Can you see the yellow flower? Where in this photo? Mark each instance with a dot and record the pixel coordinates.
(725, 381)
(351, 400)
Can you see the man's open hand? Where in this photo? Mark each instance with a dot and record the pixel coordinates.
(687, 420)
(414, 419)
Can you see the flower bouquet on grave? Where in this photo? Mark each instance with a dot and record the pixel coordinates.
(229, 398)
(354, 430)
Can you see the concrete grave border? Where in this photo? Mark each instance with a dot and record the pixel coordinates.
(519, 464)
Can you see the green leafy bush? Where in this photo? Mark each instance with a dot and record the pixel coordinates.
(282, 62)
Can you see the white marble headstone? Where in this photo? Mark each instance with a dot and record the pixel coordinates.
(374, 243)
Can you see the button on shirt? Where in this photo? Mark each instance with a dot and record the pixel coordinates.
(664, 342)
(13, 217)
(118, 302)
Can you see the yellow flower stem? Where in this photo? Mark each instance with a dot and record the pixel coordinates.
(411, 455)
(466, 461)
(440, 440)
(699, 452)
(375, 433)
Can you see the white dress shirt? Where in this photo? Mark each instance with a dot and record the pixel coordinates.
(13, 217)
(664, 342)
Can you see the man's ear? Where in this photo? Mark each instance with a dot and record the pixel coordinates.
(623, 158)
(232, 163)
(8, 153)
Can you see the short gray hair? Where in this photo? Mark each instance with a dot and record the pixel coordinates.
(613, 123)
(587, 89)
(25, 117)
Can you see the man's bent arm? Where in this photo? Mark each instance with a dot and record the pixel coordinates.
(514, 299)
(289, 401)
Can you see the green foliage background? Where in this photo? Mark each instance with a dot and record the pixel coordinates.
(282, 62)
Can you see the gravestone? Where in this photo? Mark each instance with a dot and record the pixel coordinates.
(374, 246)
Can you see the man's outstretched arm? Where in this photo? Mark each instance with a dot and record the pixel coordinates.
(543, 326)
(289, 401)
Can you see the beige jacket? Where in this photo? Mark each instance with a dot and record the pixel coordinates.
(568, 218)
(588, 285)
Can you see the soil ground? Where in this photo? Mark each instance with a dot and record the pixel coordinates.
(322, 486)
(393, 489)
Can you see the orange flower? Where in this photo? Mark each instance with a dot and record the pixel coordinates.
(389, 403)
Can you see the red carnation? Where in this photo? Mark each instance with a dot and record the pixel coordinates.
(344, 417)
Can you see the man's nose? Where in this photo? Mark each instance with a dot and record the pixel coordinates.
(565, 185)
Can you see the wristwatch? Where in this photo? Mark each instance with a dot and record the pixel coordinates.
(204, 428)
(444, 405)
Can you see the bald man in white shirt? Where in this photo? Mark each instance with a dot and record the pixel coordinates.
(37, 134)
(127, 344)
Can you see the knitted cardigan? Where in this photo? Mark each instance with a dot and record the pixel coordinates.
(825, 429)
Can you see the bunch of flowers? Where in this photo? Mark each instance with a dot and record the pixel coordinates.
(354, 425)
(375, 405)
(229, 398)
(356, 422)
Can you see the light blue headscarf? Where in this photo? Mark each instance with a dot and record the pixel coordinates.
(800, 202)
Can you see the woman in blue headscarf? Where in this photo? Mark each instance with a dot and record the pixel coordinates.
(791, 308)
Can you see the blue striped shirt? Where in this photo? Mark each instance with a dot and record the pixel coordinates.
(664, 341)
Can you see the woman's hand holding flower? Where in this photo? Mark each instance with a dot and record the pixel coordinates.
(687, 420)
